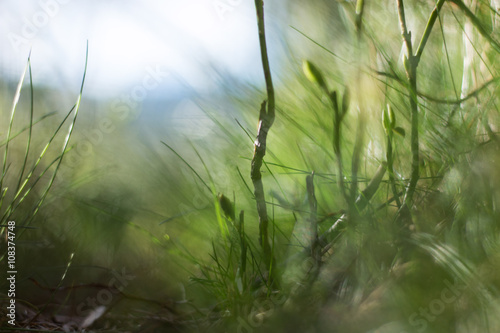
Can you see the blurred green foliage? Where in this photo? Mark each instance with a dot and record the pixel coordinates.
(125, 200)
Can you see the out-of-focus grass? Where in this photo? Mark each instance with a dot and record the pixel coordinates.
(30, 166)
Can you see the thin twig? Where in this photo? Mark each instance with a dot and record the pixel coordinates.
(411, 64)
(259, 4)
(266, 119)
(404, 31)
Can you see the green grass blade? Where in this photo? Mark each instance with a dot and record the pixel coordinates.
(66, 141)
(25, 128)
(30, 129)
(11, 122)
(188, 165)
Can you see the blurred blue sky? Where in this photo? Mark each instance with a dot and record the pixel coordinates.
(128, 40)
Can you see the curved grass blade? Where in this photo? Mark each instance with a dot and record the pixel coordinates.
(30, 129)
(66, 141)
(11, 122)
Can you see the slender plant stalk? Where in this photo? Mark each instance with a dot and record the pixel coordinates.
(428, 28)
(266, 119)
(243, 244)
(337, 127)
(411, 64)
(313, 224)
(361, 202)
(356, 155)
(390, 168)
(360, 131)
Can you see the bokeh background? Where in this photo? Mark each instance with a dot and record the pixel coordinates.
(168, 117)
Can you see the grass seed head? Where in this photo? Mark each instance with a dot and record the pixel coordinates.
(313, 74)
(227, 206)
